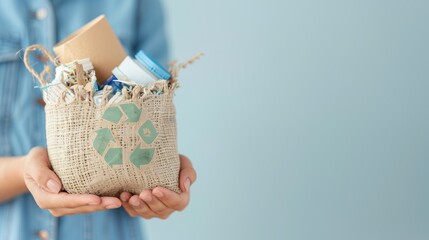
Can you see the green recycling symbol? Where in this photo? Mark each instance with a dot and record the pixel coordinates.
(114, 155)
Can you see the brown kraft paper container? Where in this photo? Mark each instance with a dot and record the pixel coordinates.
(97, 41)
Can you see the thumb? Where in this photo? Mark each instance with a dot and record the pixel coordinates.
(187, 173)
(39, 169)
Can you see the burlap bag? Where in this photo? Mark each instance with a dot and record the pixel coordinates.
(91, 154)
(126, 146)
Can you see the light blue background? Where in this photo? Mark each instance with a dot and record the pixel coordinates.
(305, 119)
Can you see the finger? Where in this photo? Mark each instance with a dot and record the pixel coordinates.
(125, 196)
(130, 209)
(47, 200)
(187, 173)
(59, 212)
(106, 203)
(172, 199)
(141, 207)
(154, 203)
(110, 202)
(39, 168)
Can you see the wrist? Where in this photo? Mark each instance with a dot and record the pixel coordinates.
(21, 165)
(21, 162)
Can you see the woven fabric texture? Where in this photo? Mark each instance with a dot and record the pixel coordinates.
(129, 146)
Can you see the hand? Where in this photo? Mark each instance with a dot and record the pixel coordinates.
(45, 186)
(161, 202)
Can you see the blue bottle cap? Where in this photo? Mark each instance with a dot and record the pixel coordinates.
(152, 66)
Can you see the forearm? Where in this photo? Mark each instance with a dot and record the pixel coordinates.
(11, 177)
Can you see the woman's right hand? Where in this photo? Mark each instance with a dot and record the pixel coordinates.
(45, 186)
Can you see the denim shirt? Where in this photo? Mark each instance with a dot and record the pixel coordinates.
(138, 24)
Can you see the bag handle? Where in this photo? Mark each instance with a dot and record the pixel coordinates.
(43, 77)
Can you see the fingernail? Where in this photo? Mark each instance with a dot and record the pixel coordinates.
(53, 186)
(158, 193)
(135, 203)
(112, 206)
(187, 184)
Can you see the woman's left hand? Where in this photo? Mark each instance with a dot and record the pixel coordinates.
(161, 202)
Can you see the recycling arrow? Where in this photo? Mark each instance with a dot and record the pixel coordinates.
(112, 114)
(132, 111)
(142, 156)
(148, 132)
(113, 156)
(104, 136)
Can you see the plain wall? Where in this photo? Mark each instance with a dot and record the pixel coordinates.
(306, 119)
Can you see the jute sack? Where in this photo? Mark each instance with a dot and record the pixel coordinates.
(129, 145)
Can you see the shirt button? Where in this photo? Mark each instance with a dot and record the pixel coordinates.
(41, 101)
(43, 235)
(41, 13)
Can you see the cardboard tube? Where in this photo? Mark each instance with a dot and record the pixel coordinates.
(97, 41)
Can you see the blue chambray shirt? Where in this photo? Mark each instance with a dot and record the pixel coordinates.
(138, 24)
